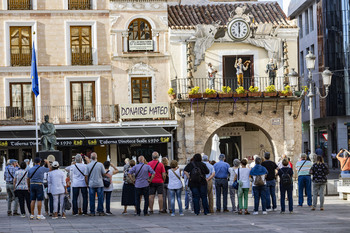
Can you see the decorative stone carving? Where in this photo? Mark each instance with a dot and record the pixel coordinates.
(141, 68)
(163, 19)
(113, 19)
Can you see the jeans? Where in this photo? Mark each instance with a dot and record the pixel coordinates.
(172, 199)
(186, 200)
(166, 197)
(76, 191)
(345, 174)
(259, 193)
(289, 191)
(188, 194)
(318, 190)
(200, 192)
(145, 193)
(304, 182)
(11, 198)
(271, 191)
(108, 201)
(335, 163)
(92, 193)
(23, 196)
(58, 200)
(221, 184)
(245, 195)
(233, 197)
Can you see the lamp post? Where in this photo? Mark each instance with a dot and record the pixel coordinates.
(327, 78)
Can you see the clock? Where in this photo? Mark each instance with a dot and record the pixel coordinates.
(238, 29)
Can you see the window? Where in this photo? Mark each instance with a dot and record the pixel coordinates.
(81, 47)
(79, 5)
(82, 101)
(20, 46)
(313, 49)
(141, 90)
(301, 61)
(311, 15)
(301, 26)
(21, 101)
(19, 4)
(140, 29)
(306, 22)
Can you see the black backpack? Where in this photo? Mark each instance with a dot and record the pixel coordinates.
(196, 174)
(286, 180)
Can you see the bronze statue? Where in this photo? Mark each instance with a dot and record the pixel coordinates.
(48, 138)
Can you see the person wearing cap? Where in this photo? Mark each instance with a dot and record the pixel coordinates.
(57, 187)
(209, 178)
(35, 183)
(9, 175)
(221, 182)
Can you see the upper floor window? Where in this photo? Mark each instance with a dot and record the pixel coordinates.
(20, 46)
(79, 4)
(19, 4)
(140, 35)
(311, 15)
(300, 26)
(306, 22)
(21, 101)
(81, 47)
(82, 101)
(141, 90)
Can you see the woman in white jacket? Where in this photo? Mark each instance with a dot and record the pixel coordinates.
(57, 187)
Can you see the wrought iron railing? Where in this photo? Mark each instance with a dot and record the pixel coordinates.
(79, 5)
(182, 86)
(21, 56)
(19, 4)
(82, 56)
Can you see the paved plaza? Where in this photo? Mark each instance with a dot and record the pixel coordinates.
(335, 218)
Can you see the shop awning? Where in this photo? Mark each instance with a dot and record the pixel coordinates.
(90, 137)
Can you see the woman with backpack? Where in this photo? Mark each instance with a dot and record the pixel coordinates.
(286, 184)
(319, 172)
(258, 173)
(195, 172)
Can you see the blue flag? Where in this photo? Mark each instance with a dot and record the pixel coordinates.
(34, 74)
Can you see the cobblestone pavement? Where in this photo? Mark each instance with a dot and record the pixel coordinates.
(335, 218)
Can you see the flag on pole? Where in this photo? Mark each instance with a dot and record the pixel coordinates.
(34, 74)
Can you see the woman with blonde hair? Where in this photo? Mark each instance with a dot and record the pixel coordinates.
(175, 187)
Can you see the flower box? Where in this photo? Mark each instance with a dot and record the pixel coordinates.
(242, 95)
(271, 94)
(173, 96)
(254, 94)
(195, 96)
(210, 96)
(225, 95)
(287, 94)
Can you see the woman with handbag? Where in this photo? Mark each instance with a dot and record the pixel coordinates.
(128, 193)
(21, 188)
(175, 187)
(108, 186)
(245, 185)
(233, 192)
(57, 187)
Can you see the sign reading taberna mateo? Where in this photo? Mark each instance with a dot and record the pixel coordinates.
(143, 111)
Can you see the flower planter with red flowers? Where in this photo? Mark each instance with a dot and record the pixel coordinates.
(241, 95)
(225, 95)
(210, 96)
(284, 95)
(254, 94)
(270, 94)
(195, 96)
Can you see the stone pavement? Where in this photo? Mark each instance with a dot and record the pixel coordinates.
(335, 218)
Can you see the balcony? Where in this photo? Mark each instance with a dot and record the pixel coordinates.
(79, 5)
(21, 57)
(81, 56)
(182, 86)
(19, 4)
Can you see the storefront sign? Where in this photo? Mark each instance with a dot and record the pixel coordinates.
(142, 111)
(140, 45)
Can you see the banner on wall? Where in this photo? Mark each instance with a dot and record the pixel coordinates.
(143, 111)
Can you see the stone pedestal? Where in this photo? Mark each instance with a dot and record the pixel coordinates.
(58, 155)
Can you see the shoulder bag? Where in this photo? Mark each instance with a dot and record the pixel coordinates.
(302, 165)
(80, 170)
(341, 166)
(21, 180)
(34, 172)
(235, 183)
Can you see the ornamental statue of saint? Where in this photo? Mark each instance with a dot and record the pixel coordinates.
(48, 138)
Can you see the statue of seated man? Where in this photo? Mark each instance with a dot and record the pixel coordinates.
(48, 138)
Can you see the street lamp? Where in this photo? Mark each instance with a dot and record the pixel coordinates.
(327, 79)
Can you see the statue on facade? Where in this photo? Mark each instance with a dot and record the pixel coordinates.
(240, 68)
(211, 76)
(271, 69)
(48, 138)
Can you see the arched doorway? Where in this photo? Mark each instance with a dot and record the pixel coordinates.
(240, 140)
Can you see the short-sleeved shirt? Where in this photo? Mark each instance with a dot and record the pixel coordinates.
(211, 169)
(9, 173)
(319, 172)
(38, 176)
(23, 184)
(243, 176)
(221, 169)
(286, 170)
(204, 170)
(96, 176)
(303, 170)
(141, 174)
(77, 177)
(158, 178)
(271, 169)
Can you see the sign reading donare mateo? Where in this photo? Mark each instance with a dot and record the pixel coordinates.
(141, 111)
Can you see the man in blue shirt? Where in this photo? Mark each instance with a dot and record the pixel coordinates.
(221, 182)
(35, 183)
(209, 178)
(9, 174)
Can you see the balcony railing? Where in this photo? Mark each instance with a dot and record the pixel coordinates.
(183, 85)
(82, 57)
(79, 5)
(19, 4)
(21, 57)
(25, 113)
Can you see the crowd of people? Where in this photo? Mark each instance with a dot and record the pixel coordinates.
(200, 179)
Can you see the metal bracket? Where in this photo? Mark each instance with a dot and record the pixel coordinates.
(296, 116)
(275, 111)
(233, 106)
(217, 112)
(291, 108)
(246, 112)
(261, 107)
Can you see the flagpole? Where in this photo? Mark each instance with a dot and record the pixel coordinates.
(36, 125)
(35, 89)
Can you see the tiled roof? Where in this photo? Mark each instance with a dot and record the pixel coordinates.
(187, 16)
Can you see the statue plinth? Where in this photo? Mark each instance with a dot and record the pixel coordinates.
(58, 155)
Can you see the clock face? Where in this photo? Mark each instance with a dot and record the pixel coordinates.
(238, 29)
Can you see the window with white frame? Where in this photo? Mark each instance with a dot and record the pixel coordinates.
(22, 104)
(141, 89)
(80, 4)
(20, 4)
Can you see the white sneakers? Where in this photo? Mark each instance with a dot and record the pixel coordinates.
(264, 212)
(268, 210)
(255, 213)
(40, 217)
(31, 217)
